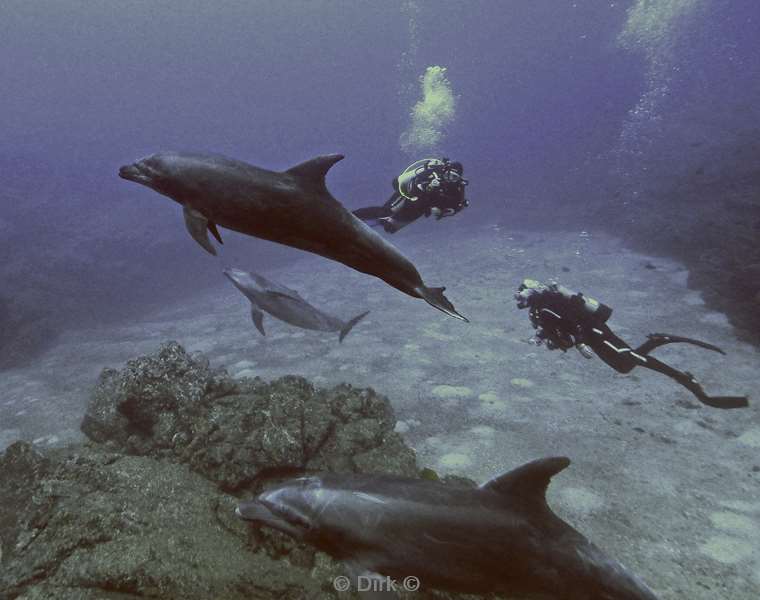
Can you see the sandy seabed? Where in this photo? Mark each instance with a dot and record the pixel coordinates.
(668, 486)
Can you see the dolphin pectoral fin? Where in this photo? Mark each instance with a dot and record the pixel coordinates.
(197, 226)
(258, 318)
(528, 481)
(215, 232)
(369, 585)
(313, 171)
(435, 298)
(350, 324)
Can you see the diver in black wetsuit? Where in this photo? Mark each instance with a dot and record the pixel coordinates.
(563, 319)
(427, 187)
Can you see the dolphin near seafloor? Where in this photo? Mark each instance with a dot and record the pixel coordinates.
(285, 304)
(500, 538)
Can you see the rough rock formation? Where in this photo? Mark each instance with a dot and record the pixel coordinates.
(142, 511)
(173, 405)
(92, 524)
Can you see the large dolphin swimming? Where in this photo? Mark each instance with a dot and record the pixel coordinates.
(499, 538)
(292, 207)
(285, 304)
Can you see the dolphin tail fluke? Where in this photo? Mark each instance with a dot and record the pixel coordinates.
(350, 324)
(435, 298)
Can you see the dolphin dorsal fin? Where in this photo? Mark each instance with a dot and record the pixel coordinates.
(529, 480)
(314, 170)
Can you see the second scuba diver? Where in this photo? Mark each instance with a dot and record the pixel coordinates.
(430, 186)
(563, 319)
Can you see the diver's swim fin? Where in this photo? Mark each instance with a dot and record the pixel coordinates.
(435, 298)
(371, 213)
(373, 222)
(660, 339)
(724, 402)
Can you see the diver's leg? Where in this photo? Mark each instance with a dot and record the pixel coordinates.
(394, 201)
(370, 213)
(660, 339)
(687, 380)
(375, 213)
(612, 350)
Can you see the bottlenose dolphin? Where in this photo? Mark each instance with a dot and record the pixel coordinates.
(285, 304)
(499, 538)
(292, 207)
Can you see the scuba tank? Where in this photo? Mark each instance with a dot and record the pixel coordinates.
(408, 178)
(537, 296)
(530, 290)
(590, 306)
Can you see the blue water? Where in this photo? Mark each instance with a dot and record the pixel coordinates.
(551, 108)
(639, 118)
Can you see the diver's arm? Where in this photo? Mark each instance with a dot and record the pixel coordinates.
(441, 211)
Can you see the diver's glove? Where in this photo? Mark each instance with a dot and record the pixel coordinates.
(552, 337)
(389, 225)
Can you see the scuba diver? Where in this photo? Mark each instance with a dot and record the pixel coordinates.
(563, 319)
(430, 186)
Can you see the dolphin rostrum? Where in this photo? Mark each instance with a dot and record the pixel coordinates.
(501, 537)
(292, 207)
(285, 304)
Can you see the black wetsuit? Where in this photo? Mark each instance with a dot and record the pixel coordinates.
(563, 323)
(399, 210)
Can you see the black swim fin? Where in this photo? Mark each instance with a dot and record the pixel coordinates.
(723, 402)
(660, 339)
(371, 213)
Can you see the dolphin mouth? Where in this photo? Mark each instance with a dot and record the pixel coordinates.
(255, 511)
(134, 173)
(260, 512)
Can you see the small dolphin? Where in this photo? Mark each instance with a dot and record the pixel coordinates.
(292, 207)
(499, 538)
(285, 304)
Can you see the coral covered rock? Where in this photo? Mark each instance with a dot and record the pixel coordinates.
(173, 405)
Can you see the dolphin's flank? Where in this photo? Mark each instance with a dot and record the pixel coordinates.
(292, 207)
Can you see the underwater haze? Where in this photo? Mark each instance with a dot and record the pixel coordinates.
(611, 146)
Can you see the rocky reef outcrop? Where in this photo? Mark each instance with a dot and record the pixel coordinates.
(172, 405)
(146, 510)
